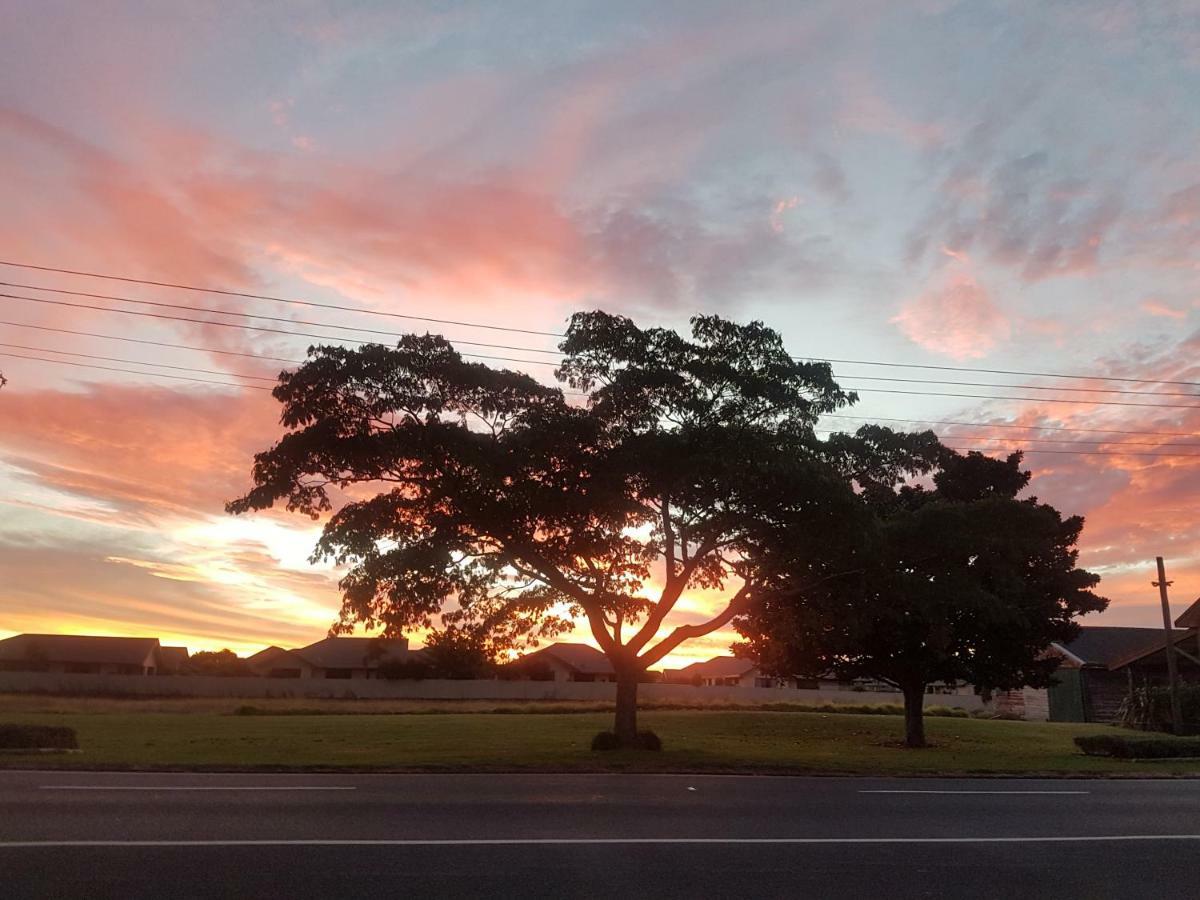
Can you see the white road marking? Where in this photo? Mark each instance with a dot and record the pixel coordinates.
(212, 787)
(510, 842)
(897, 791)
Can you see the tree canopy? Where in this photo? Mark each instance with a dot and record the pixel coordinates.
(952, 579)
(517, 507)
(217, 662)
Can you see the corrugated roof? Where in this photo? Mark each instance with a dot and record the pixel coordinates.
(1104, 645)
(78, 648)
(352, 652)
(720, 667)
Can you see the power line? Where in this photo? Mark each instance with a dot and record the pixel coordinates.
(263, 378)
(166, 365)
(871, 362)
(241, 315)
(257, 356)
(149, 343)
(997, 425)
(136, 362)
(549, 363)
(874, 390)
(68, 362)
(340, 327)
(1022, 387)
(1011, 425)
(1071, 452)
(241, 326)
(468, 324)
(312, 303)
(1046, 450)
(1031, 440)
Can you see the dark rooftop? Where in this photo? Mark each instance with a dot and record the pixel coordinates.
(78, 648)
(1104, 645)
(581, 657)
(1190, 617)
(352, 652)
(720, 667)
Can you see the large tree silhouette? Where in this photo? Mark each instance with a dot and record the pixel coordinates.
(684, 464)
(954, 580)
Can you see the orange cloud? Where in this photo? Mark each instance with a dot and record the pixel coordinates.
(144, 453)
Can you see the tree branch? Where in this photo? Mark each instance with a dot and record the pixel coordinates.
(669, 597)
(738, 604)
(668, 538)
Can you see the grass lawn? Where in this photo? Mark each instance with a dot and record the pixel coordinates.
(115, 735)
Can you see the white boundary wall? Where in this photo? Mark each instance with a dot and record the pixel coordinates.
(211, 686)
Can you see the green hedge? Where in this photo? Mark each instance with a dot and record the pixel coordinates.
(37, 737)
(1122, 747)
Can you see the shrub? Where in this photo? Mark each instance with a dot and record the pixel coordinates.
(224, 663)
(646, 740)
(1148, 708)
(405, 670)
(37, 737)
(1122, 747)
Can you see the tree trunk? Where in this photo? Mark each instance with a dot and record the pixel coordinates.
(626, 722)
(914, 715)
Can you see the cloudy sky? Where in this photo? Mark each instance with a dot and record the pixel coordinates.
(981, 185)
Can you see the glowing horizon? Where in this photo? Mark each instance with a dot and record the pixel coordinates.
(928, 186)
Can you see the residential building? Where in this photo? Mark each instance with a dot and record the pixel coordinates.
(172, 660)
(333, 657)
(1100, 665)
(89, 654)
(564, 662)
(726, 671)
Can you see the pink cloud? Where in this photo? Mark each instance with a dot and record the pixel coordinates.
(1157, 308)
(146, 453)
(956, 318)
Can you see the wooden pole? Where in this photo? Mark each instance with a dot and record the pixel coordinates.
(1168, 631)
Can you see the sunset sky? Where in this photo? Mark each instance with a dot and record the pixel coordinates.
(1005, 186)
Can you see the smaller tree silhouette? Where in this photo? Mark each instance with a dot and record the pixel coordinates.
(957, 581)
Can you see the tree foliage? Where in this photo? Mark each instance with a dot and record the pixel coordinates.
(217, 662)
(525, 508)
(953, 578)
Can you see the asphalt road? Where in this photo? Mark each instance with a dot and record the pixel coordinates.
(93, 835)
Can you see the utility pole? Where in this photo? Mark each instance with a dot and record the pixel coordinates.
(1168, 630)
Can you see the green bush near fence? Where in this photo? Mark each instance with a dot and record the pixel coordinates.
(1121, 746)
(37, 737)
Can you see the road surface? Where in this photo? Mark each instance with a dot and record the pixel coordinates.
(93, 835)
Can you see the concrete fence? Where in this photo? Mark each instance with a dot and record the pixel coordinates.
(250, 688)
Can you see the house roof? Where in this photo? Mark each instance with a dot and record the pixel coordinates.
(1157, 646)
(352, 652)
(582, 658)
(172, 657)
(272, 658)
(720, 667)
(1190, 617)
(1113, 646)
(78, 648)
(265, 652)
